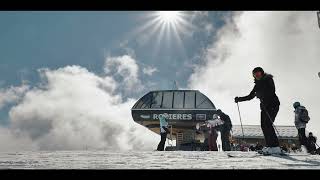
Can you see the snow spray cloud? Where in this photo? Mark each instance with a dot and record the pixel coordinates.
(12, 94)
(285, 44)
(126, 69)
(73, 109)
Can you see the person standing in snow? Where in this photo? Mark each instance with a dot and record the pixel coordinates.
(264, 89)
(225, 129)
(163, 131)
(312, 141)
(300, 122)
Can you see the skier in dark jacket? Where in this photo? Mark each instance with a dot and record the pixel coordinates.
(312, 142)
(225, 129)
(264, 89)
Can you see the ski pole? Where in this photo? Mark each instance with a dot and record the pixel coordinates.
(240, 121)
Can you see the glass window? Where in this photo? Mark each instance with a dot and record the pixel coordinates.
(189, 100)
(144, 102)
(167, 99)
(202, 102)
(178, 100)
(156, 99)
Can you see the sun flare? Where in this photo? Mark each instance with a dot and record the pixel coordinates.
(169, 16)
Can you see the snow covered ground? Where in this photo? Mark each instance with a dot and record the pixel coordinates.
(152, 160)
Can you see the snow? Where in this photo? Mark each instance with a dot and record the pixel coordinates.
(152, 160)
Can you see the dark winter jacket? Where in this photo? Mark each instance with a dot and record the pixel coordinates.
(312, 139)
(226, 119)
(264, 89)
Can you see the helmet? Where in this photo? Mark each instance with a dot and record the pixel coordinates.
(296, 104)
(258, 69)
(257, 73)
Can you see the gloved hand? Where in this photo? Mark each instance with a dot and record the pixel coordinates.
(166, 129)
(236, 99)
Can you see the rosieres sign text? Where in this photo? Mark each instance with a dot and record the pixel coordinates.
(175, 116)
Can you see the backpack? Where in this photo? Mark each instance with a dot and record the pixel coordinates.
(304, 115)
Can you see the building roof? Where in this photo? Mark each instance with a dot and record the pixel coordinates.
(174, 99)
(254, 131)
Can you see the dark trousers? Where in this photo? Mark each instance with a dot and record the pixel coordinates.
(313, 147)
(225, 133)
(162, 141)
(303, 139)
(212, 140)
(266, 125)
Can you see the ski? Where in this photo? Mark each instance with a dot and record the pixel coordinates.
(243, 155)
(257, 154)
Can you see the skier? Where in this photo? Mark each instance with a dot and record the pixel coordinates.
(163, 131)
(312, 141)
(225, 129)
(300, 122)
(264, 89)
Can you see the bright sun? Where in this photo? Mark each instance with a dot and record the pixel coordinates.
(169, 27)
(169, 16)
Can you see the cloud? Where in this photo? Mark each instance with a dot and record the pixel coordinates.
(12, 94)
(285, 44)
(149, 70)
(127, 69)
(73, 109)
(15, 141)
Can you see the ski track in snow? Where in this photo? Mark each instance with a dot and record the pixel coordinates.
(152, 160)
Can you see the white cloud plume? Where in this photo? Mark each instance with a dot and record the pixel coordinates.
(12, 94)
(15, 141)
(73, 109)
(127, 68)
(285, 44)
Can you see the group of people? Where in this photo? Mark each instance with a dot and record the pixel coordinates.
(264, 90)
(301, 120)
(211, 131)
(310, 141)
(224, 128)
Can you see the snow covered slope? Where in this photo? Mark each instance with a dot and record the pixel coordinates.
(152, 160)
